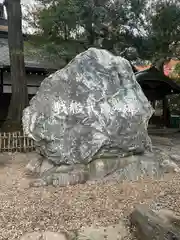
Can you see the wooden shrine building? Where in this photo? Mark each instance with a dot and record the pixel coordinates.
(157, 86)
(36, 66)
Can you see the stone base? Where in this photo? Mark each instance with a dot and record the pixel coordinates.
(151, 164)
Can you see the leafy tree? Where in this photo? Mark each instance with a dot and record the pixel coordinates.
(69, 27)
(163, 33)
(177, 69)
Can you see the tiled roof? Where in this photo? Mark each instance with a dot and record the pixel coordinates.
(31, 60)
(152, 75)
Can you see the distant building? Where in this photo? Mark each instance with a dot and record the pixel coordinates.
(36, 68)
(168, 68)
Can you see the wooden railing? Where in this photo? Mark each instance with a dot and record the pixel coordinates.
(15, 142)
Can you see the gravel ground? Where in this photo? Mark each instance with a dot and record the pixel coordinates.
(25, 209)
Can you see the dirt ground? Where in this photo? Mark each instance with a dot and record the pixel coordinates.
(25, 209)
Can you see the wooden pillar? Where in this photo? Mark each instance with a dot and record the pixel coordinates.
(166, 112)
(154, 104)
(1, 82)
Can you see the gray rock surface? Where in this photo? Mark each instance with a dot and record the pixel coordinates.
(175, 158)
(93, 103)
(80, 173)
(159, 225)
(90, 120)
(46, 166)
(153, 165)
(35, 162)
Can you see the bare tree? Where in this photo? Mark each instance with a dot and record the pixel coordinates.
(19, 97)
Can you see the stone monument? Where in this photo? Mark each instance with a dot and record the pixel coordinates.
(88, 119)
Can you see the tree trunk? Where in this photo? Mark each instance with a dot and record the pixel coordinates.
(19, 97)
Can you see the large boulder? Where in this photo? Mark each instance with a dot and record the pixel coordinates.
(93, 103)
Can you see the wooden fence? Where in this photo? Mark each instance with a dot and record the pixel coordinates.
(15, 142)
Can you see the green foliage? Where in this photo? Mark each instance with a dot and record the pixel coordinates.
(165, 27)
(67, 27)
(175, 74)
(174, 103)
(177, 69)
(134, 29)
